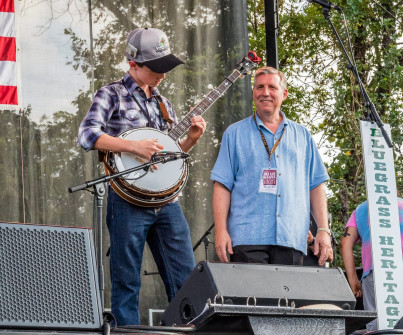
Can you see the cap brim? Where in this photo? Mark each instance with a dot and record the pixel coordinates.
(163, 64)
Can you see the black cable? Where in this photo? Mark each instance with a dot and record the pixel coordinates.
(107, 328)
(108, 319)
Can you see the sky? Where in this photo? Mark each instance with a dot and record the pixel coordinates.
(48, 84)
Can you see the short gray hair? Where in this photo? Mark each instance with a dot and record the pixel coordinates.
(271, 70)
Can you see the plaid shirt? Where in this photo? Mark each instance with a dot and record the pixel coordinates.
(114, 111)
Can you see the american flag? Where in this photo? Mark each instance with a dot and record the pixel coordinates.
(8, 59)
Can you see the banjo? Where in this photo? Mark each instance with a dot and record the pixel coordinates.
(156, 187)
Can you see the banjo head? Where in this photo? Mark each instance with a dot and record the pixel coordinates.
(155, 181)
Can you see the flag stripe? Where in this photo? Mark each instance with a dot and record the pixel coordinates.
(7, 6)
(7, 49)
(8, 95)
(7, 26)
(8, 65)
(8, 74)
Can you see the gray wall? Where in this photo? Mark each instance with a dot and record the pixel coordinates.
(56, 69)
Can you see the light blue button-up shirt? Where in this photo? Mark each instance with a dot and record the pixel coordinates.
(264, 218)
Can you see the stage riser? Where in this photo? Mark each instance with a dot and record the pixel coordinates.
(296, 326)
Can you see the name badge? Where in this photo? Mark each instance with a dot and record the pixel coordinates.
(268, 182)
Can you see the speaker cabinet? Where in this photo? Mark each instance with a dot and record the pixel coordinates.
(48, 278)
(399, 324)
(270, 285)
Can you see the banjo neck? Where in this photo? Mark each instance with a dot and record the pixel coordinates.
(161, 186)
(203, 105)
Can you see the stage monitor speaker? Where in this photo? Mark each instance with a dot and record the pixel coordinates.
(399, 324)
(48, 278)
(271, 285)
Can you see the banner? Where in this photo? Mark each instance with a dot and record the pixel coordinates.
(8, 56)
(383, 213)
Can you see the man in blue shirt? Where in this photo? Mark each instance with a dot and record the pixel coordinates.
(133, 102)
(268, 178)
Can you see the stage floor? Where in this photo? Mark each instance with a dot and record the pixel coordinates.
(233, 319)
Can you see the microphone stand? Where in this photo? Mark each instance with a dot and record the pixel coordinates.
(334, 246)
(205, 240)
(333, 240)
(99, 192)
(373, 115)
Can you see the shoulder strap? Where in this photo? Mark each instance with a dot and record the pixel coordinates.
(163, 109)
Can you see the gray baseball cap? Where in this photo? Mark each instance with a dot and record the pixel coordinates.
(150, 46)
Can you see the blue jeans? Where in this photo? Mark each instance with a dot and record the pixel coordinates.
(167, 233)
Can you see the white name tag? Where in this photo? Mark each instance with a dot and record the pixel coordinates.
(268, 181)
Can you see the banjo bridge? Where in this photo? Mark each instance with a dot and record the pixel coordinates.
(141, 161)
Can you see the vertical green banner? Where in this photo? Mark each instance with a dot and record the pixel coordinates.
(384, 224)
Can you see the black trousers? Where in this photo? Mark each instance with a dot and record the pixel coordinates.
(266, 254)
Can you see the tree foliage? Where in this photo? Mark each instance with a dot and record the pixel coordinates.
(210, 36)
(324, 95)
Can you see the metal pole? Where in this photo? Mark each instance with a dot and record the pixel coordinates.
(99, 192)
(271, 25)
(91, 49)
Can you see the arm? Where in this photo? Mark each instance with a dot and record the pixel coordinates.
(221, 205)
(322, 246)
(348, 240)
(144, 148)
(147, 147)
(195, 132)
(92, 133)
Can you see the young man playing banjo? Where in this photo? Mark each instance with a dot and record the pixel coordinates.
(135, 102)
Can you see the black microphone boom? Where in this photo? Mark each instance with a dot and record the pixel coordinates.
(168, 156)
(326, 4)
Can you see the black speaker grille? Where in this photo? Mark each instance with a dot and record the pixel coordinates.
(46, 277)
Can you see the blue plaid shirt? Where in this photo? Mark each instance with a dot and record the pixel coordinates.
(114, 111)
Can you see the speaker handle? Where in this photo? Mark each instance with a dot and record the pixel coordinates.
(279, 302)
(218, 295)
(254, 300)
